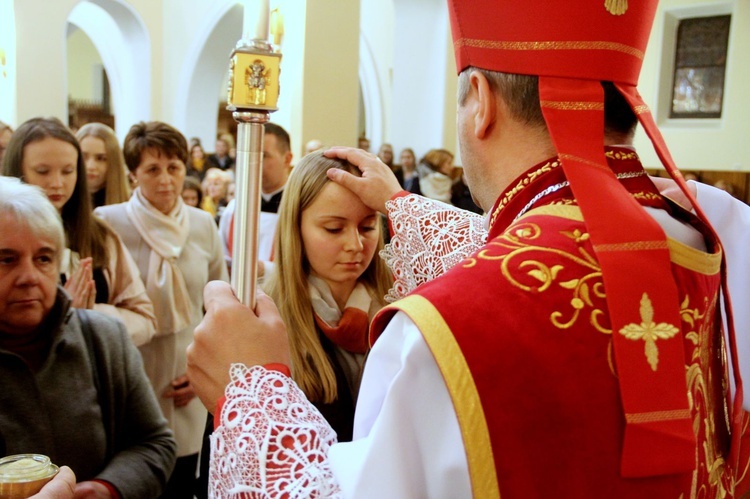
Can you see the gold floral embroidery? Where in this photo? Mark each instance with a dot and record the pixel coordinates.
(649, 331)
(550, 165)
(522, 260)
(702, 399)
(645, 195)
(620, 155)
(522, 184)
(587, 291)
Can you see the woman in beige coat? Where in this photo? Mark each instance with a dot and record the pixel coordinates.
(177, 249)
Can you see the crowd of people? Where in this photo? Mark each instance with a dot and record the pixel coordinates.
(142, 229)
(553, 332)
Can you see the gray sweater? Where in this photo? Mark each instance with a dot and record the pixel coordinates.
(117, 434)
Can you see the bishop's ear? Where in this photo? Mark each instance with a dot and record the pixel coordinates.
(485, 105)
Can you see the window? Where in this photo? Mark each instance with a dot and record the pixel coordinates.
(700, 64)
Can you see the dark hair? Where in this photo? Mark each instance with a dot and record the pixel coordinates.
(163, 138)
(282, 137)
(193, 184)
(85, 233)
(521, 94)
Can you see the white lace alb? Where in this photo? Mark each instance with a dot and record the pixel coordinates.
(271, 441)
(430, 238)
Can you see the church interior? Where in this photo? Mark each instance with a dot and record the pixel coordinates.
(381, 69)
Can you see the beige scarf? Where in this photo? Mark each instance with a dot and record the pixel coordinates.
(166, 235)
(437, 186)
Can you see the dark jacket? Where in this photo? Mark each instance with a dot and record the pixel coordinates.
(114, 432)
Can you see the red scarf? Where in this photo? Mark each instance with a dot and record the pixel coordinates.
(347, 330)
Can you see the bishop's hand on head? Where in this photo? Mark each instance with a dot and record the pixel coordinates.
(377, 184)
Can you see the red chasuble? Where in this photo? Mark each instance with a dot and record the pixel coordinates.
(522, 335)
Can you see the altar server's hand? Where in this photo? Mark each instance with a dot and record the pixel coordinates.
(377, 184)
(233, 333)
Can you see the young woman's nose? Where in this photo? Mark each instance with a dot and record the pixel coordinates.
(353, 240)
(56, 179)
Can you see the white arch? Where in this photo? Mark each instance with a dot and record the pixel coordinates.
(203, 71)
(122, 40)
(372, 93)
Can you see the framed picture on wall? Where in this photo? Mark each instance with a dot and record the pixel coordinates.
(700, 67)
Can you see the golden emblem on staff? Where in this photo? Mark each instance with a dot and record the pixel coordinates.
(253, 80)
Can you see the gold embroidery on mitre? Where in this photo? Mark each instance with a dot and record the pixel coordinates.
(616, 7)
(573, 105)
(550, 45)
(649, 331)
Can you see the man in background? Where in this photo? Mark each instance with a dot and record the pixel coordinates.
(277, 164)
(221, 158)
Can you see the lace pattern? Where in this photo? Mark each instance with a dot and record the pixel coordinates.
(429, 239)
(272, 442)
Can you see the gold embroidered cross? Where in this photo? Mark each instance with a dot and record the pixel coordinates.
(649, 331)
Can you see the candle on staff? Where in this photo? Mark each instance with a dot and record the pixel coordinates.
(277, 26)
(255, 20)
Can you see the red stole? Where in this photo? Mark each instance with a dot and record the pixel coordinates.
(533, 379)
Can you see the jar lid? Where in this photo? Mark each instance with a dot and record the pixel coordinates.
(25, 467)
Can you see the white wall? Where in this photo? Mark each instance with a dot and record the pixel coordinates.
(715, 144)
(422, 98)
(8, 69)
(83, 62)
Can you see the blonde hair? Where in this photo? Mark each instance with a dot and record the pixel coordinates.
(288, 287)
(216, 174)
(116, 186)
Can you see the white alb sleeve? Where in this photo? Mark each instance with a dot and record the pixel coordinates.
(271, 442)
(407, 440)
(730, 219)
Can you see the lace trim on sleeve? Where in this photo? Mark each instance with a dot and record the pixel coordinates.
(429, 238)
(271, 442)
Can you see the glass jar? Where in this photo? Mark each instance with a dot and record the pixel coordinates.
(23, 475)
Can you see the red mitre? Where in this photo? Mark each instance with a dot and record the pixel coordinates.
(602, 40)
(572, 46)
